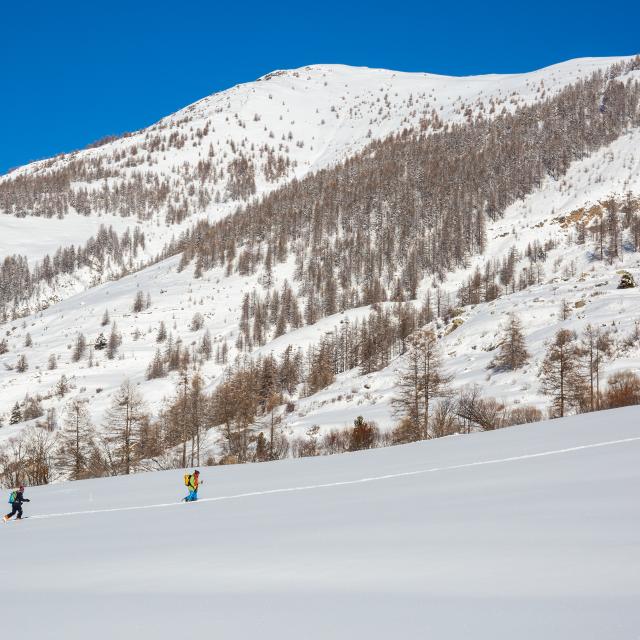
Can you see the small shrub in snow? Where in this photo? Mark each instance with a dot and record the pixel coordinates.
(197, 322)
(22, 365)
(626, 281)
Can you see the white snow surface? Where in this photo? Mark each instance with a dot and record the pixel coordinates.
(529, 532)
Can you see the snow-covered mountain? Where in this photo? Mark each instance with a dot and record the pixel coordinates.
(234, 147)
(526, 532)
(285, 125)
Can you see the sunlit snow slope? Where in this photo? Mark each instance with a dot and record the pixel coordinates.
(528, 532)
(311, 117)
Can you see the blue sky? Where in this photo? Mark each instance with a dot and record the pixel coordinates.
(72, 72)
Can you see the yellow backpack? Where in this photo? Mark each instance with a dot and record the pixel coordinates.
(187, 479)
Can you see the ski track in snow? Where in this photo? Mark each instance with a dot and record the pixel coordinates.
(327, 485)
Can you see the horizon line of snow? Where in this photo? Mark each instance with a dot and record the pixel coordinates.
(341, 483)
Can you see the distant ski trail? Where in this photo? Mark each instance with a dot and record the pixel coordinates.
(342, 483)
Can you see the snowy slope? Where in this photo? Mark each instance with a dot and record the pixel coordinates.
(469, 350)
(528, 532)
(358, 96)
(570, 274)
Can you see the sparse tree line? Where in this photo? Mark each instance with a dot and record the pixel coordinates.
(612, 226)
(19, 283)
(74, 449)
(124, 182)
(175, 355)
(499, 276)
(80, 348)
(247, 408)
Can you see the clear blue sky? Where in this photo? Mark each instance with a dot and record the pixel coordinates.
(72, 72)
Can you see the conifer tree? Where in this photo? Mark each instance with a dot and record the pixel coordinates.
(125, 419)
(421, 381)
(162, 332)
(16, 414)
(138, 302)
(22, 365)
(100, 343)
(156, 367)
(114, 342)
(76, 440)
(62, 386)
(79, 348)
(513, 352)
(560, 374)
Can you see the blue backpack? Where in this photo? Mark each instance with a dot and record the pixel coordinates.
(12, 497)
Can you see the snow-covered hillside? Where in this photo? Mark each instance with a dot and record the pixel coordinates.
(332, 111)
(528, 532)
(571, 273)
(309, 118)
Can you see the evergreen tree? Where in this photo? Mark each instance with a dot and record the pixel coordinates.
(16, 414)
(100, 343)
(205, 345)
(138, 302)
(125, 419)
(79, 347)
(76, 441)
(22, 365)
(421, 381)
(513, 352)
(62, 386)
(114, 342)
(162, 332)
(156, 367)
(626, 281)
(32, 408)
(560, 374)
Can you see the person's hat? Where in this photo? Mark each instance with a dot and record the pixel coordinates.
(196, 472)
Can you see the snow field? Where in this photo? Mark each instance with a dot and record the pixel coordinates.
(526, 532)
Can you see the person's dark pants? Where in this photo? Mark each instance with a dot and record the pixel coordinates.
(15, 508)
